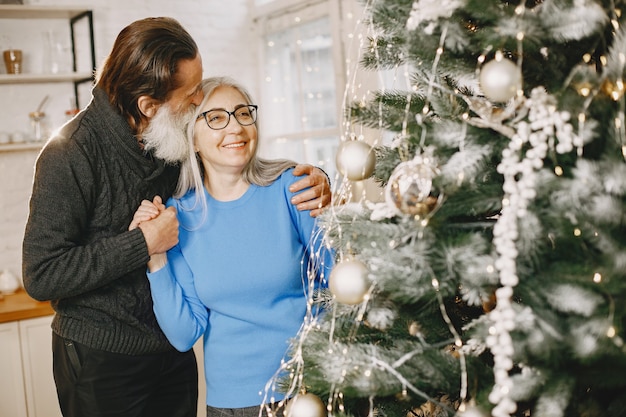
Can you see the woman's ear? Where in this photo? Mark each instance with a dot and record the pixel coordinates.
(148, 106)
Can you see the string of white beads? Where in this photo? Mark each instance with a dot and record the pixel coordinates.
(521, 160)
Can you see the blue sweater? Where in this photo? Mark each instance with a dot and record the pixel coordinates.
(239, 280)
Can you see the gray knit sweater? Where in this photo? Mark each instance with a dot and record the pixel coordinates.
(77, 249)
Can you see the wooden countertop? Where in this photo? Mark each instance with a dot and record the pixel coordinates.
(20, 306)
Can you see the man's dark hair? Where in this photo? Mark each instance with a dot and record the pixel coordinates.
(143, 61)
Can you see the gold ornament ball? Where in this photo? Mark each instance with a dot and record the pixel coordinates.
(500, 80)
(355, 160)
(410, 188)
(305, 405)
(348, 282)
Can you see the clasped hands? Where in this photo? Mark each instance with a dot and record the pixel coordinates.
(159, 226)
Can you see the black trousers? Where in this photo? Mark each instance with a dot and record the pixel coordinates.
(95, 383)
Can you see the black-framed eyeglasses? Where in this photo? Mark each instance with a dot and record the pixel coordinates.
(219, 118)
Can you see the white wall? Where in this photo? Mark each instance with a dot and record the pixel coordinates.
(224, 35)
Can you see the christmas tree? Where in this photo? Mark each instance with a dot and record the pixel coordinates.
(491, 279)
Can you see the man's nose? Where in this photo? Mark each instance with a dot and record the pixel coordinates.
(197, 97)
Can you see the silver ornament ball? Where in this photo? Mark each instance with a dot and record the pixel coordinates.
(348, 282)
(355, 160)
(500, 80)
(305, 405)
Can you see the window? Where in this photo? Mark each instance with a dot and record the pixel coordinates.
(301, 82)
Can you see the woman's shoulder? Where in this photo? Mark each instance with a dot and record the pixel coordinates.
(283, 182)
(287, 176)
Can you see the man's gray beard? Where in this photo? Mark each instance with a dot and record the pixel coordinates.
(166, 135)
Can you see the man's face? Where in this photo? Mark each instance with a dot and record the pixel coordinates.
(165, 134)
(190, 92)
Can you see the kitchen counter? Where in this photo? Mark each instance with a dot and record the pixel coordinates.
(20, 306)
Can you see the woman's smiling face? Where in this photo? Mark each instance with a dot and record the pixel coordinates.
(229, 149)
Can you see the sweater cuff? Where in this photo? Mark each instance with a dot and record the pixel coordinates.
(136, 248)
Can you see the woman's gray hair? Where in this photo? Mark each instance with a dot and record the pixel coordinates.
(259, 171)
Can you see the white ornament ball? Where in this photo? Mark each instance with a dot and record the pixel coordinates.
(355, 160)
(500, 80)
(349, 282)
(471, 412)
(305, 405)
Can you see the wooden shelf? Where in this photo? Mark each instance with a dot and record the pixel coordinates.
(19, 11)
(16, 147)
(44, 78)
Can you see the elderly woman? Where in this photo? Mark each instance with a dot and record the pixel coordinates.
(238, 276)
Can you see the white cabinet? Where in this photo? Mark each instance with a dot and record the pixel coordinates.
(12, 396)
(27, 386)
(36, 344)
